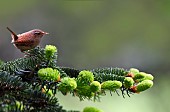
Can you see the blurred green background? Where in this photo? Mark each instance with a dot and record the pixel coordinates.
(98, 33)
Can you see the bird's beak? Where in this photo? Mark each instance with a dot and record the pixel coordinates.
(45, 33)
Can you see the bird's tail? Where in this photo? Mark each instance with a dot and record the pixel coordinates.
(14, 36)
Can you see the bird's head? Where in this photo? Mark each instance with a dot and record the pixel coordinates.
(38, 33)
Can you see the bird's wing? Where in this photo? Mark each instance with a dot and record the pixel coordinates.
(24, 42)
(24, 38)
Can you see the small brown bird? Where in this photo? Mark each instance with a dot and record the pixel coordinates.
(27, 40)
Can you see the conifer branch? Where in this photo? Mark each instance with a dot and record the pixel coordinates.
(31, 83)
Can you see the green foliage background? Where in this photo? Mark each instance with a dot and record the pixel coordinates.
(98, 33)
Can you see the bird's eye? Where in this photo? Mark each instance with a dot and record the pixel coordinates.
(37, 33)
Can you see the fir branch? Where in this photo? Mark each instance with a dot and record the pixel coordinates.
(30, 83)
(19, 64)
(71, 72)
(13, 89)
(115, 71)
(10, 84)
(38, 101)
(33, 58)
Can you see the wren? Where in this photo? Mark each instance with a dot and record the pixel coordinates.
(27, 40)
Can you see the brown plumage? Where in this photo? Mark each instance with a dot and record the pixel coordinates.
(27, 40)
